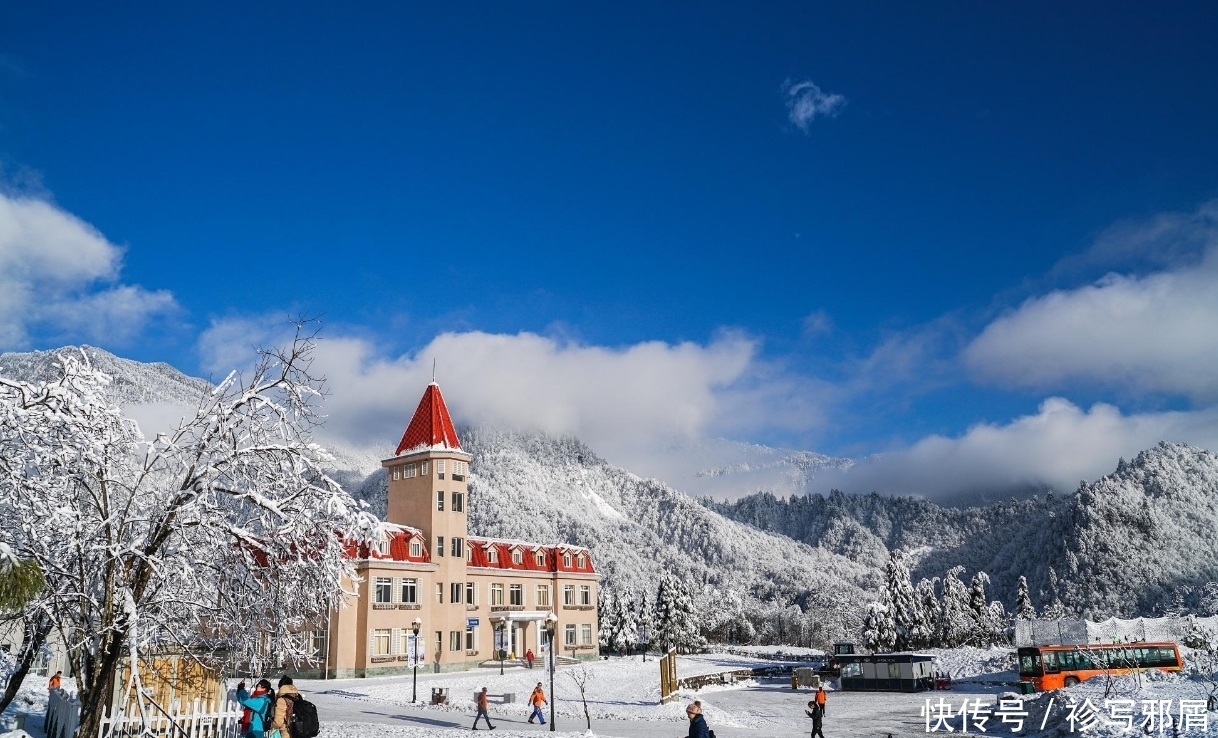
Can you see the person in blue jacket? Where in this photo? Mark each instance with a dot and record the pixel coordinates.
(697, 723)
(258, 704)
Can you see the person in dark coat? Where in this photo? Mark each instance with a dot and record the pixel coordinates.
(817, 713)
(697, 723)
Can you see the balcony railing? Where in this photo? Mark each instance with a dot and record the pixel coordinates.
(506, 608)
(382, 605)
(410, 606)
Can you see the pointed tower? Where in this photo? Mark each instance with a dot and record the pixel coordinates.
(427, 490)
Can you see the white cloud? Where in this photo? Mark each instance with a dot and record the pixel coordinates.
(806, 102)
(58, 274)
(622, 401)
(1059, 446)
(1155, 333)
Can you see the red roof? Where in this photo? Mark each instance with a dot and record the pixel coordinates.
(431, 425)
(553, 556)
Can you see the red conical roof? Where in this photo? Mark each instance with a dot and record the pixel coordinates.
(431, 425)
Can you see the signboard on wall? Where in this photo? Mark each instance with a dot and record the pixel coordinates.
(471, 622)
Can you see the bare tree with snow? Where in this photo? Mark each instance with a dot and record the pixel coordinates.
(223, 539)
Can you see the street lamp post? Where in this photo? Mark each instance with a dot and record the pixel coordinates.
(414, 626)
(502, 628)
(551, 627)
(644, 640)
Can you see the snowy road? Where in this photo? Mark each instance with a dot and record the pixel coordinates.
(753, 711)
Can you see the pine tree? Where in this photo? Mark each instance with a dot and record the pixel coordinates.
(1023, 602)
(956, 620)
(667, 613)
(982, 627)
(606, 605)
(645, 620)
(908, 620)
(931, 612)
(878, 633)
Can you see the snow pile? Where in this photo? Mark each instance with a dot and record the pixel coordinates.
(994, 665)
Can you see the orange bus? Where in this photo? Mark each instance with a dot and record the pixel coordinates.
(1054, 667)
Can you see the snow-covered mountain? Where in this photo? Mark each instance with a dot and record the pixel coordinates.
(1135, 542)
(726, 469)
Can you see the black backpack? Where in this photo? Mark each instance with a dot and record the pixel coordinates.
(302, 718)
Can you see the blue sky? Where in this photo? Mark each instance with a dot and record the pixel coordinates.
(605, 176)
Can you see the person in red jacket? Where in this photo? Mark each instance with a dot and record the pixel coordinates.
(483, 704)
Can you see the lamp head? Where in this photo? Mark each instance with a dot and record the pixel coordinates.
(415, 625)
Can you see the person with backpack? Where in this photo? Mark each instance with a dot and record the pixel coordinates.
(483, 705)
(697, 723)
(817, 713)
(538, 700)
(257, 707)
(293, 716)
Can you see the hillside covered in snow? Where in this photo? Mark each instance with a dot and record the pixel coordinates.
(1140, 541)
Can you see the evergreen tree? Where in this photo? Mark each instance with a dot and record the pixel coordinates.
(1023, 602)
(645, 620)
(931, 612)
(668, 620)
(605, 614)
(878, 633)
(686, 635)
(625, 626)
(908, 620)
(956, 620)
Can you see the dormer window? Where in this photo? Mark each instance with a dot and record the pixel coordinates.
(382, 547)
(492, 554)
(540, 558)
(580, 561)
(566, 560)
(416, 549)
(517, 557)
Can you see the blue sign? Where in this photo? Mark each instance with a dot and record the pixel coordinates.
(471, 622)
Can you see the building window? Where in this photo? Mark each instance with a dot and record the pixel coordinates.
(320, 644)
(383, 590)
(585, 595)
(470, 639)
(568, 594)
(380, 642)
(410, 471)
(566, 561)
(543, 595)
(439, 545)
(580, 561)
(454, 640)
(517, 557)
(439, 642)
(458, 502)
(516, 593)
(469, 555)
(540, 558)
(416, 548)
(496, 595)
(397, 473)
(458, 547)
(439, 593)
(568, 634)
(440, 467)
(492, 554)
(410, 591)
(382, 547)
(423, 468)
(585, 634)
(404, 637)
(455, 591)
(471, 593)
(440, 501)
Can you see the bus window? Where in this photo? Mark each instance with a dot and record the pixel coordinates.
(1167, 657)
(1050, 659)
(1066, 660)
(1029, 664)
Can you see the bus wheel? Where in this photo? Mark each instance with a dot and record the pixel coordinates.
(1071, 681)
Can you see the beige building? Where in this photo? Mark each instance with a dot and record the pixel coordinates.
(468, 594)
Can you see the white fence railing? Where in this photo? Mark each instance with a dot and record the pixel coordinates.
(199, 719)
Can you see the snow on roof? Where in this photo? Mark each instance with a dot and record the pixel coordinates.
(510, 542)
(397, 528)
(431, 428)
